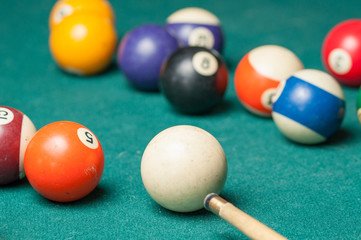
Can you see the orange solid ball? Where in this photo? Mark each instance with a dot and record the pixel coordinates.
(65, 8)
(83, 44)
(64, 161)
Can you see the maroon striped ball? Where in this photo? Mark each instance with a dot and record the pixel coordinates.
(16, 130)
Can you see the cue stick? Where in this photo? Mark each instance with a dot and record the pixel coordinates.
(251, 227)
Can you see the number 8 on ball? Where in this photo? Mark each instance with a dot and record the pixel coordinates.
(194, 79)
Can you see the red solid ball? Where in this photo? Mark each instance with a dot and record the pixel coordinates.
(64, 161)
(341, 52)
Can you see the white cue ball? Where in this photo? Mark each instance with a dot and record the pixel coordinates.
(181, 165)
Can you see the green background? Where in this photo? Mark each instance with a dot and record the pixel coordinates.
(303, 192)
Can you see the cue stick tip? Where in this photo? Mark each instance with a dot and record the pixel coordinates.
(212, 202)
(207, 199)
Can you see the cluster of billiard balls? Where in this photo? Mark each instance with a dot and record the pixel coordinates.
(63, 161)
(307, 105)
(182, 59)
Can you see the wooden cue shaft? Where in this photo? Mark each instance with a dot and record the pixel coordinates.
(251, 227)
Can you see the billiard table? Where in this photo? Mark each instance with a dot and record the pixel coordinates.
(301, 191)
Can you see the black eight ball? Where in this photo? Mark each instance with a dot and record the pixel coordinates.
(194, 79)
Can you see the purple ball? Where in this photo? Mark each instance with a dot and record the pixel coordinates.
(196, 27)
(184, 32)
(142, 52)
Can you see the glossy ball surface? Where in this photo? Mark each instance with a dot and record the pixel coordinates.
(259, 73)
(309, 106)
(341, 52)
(64, 161)
(142, 53)
(181, 165)
(196, 27)
(194, 79)
(65, 8)
(16, 130)
(83, 44)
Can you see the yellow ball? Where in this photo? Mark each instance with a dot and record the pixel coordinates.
(65, 8)
(83, 44)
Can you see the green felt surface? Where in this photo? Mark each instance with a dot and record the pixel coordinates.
(303, 192)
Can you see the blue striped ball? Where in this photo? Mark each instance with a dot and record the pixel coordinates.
(309, 106)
